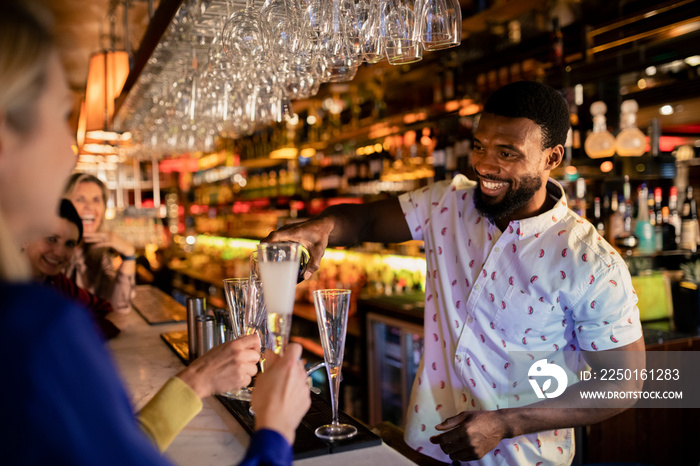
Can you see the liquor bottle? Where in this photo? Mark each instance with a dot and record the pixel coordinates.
(575, 130)
(689, 222)
(597, 218)
(449, 90)
(631, 142)
(643, 228)
(615, 226)
(674, 217)
(625, 240)
(654, 137)
(658, 219)
(658, 197)
(600, 143)
(376, 163)
(668, 231)
(439, 157)
(627, 196)
(557, 43)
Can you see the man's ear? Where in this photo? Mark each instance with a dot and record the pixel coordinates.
(555, 157)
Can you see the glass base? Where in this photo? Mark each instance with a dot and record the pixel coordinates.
(336, 431)
(244, 394)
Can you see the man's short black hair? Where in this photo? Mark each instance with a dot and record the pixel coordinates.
(537, 102)
(67, 211)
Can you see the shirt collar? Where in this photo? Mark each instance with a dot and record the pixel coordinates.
(535, 225)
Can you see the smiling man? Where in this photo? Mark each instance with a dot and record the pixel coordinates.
(510, 269)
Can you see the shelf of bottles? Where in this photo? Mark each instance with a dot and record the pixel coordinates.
(637, 192)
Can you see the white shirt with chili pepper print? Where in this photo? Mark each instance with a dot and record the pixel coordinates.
(547, 283)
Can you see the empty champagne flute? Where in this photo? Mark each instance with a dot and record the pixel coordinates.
(247, 316)
(332, 316)
(256, 311)
(236, 291)
(279, 268)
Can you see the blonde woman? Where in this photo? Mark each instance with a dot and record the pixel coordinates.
(92, 265)
(61, 398)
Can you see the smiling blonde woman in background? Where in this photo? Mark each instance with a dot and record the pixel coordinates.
(92, 266)
(61, 399)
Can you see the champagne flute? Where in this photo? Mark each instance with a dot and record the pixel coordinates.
(256, 311)
(279, 268)
(236, 291)
(332, 315)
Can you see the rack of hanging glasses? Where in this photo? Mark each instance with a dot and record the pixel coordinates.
(225, 68)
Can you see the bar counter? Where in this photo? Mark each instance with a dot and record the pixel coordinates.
(213, 437)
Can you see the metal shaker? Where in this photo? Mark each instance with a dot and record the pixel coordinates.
(206, 334)
(196, 307)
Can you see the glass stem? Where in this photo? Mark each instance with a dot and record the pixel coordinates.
(262, 361)
(334, 385)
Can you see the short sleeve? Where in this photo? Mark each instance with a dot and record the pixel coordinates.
(606, 316)
(416, 205)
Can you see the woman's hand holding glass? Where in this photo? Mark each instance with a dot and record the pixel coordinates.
(225, 367)
(281, 397)
(245, 306)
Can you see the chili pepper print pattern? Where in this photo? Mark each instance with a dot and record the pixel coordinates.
(491, 292)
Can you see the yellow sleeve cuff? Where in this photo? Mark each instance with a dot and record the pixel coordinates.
(168, 412)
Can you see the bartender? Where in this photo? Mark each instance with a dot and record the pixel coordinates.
(509, 268)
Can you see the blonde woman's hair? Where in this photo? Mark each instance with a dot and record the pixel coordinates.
(26, 45)
(78, 178)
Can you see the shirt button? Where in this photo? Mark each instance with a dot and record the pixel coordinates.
(477, 287)
(497, 249)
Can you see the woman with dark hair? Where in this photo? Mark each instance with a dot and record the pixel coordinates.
(50, 255)
(92, 266)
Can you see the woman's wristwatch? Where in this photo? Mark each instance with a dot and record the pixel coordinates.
(128, 257)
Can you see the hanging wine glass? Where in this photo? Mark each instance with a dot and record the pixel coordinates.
(340, 52)
(282, 21)
(371, 39)
(441, 24)
(245, 37)
(399, 27)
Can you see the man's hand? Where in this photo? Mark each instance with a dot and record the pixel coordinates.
(312, 234)
(470, 434)
(345, 225)
(225, 367)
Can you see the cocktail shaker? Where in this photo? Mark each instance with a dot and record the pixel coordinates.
(206, 334)
(196, 307)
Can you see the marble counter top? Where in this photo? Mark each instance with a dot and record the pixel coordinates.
(213, 437)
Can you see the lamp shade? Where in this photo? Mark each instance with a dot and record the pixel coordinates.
(106, 76)
(80, 136)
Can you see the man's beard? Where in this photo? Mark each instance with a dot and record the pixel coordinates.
(512, 201)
